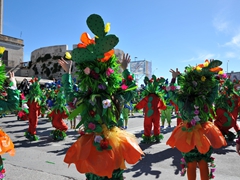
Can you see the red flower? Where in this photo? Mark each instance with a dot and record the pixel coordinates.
(151, 80)
(92, 113)
(104, 144)
(94, 74)
(188, 125)
(81, 132)
(3, 170)
(130, 78)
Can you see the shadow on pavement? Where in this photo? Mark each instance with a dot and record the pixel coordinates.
(144, 166)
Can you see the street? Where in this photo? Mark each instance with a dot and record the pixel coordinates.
(43, 159)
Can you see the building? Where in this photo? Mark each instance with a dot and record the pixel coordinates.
(44, 62)
(13, 55)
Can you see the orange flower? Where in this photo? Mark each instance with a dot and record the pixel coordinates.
(86, 40)
(107, 56)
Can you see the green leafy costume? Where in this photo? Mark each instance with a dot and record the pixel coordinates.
(103, 148)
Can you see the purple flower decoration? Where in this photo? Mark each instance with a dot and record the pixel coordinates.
(193, 122)
(213, 170)
(101, 86)
(196, 112)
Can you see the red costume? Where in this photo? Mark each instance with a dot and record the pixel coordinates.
(225, 119)
(57, 120)
(34, 112)
(151, 113)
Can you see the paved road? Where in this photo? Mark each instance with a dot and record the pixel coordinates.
(43, 160)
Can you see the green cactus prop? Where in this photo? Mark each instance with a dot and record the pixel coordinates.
(103, 43)
(96, 25)
(106, 44)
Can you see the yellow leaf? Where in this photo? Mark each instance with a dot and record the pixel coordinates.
(68, 55)
(107, 28)
(2, 49)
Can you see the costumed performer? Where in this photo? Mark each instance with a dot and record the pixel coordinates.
(166, 114)
(196, 137)
(58, 113)
(9, 104)
(152, 104)
(103, 148)
(34, 103)
(227, 107)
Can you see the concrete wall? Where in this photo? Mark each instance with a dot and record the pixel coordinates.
(51, 51)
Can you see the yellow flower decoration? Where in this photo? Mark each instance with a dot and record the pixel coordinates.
(107, 28)
(68, 55)
(206, 64)
(220, 72)
(203, 78)
(198, 68)
(2, 49)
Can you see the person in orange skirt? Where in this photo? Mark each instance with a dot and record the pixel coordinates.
(196, 137)
(9, 104)
(103, 148)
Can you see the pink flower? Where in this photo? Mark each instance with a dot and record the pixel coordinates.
(183, 160)
(91, 126)
(87, 70)
(124, 87)
(109, 72)
(173, 88)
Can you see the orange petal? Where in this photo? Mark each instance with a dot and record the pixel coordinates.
(107, 56)
(86, 39)
(216, 69)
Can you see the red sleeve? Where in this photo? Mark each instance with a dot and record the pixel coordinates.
(142, 103)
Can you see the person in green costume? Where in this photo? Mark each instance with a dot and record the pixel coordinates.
(9, 104)
(103, 147)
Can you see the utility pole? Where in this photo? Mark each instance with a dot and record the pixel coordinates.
(1, 16)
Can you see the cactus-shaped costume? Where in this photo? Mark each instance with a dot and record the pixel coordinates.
(34, 104)
(103, 149)
(58, 113)
(9, 104)
(196, 137)
(227, 106)
(152, 104)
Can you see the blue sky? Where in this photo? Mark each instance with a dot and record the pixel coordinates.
(170, 34)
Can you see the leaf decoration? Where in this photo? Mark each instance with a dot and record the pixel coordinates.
(96, 25)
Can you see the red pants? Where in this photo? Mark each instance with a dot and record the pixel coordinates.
(34, 112)
(154, 121)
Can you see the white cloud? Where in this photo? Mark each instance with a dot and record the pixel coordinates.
(230, 55)
(235, 41)
(201, 57)
(220, 24)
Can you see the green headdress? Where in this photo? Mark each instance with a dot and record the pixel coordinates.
(198, 90)
(153, 86)
(35, 91)
(101, 84)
